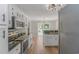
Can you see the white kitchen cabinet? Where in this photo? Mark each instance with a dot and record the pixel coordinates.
(3, 14)
(11, 12)
(3, 28)
(16, 17)
(6, 13)
(50, 40)
(3, 41)
(16, 50)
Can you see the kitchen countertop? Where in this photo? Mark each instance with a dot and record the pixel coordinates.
(16, 42)
(50, 32)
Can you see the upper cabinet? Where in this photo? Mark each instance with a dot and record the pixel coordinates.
(16, 18)
(3, 14)
(3, 40)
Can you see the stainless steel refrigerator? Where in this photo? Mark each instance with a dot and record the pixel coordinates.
(69, 29)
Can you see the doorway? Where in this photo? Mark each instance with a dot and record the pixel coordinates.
(40, 29)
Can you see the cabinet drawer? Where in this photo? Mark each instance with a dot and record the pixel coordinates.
(16, 50)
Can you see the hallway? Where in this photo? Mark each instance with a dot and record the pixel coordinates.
(38, 48)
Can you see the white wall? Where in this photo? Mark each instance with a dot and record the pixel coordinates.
(34, 26)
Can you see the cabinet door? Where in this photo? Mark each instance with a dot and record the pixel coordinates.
(11, 12)
(50, 40)
(16, 50)
(3, 14)
(3, 41)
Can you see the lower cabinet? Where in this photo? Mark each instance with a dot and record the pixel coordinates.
(16, 50)
(3, 40)
(50, 40)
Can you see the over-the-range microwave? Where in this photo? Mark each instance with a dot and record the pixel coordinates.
(14, 23)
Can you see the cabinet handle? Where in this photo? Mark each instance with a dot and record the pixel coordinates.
(3, 17)
(61, 26)
(16, 49)
(12, 13)
(12, 8)
(4, 34)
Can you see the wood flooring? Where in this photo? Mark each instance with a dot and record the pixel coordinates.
(38, 48)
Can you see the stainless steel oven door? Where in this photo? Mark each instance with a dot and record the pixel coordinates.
(12, 23)
(24, 46)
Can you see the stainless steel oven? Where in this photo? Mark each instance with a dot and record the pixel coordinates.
(15, 23)
(25, 45)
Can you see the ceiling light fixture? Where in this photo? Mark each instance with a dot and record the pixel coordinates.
(55, 7)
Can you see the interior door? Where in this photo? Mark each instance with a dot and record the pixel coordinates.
(40, 29)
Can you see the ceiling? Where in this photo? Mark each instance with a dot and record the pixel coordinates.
(37, 11)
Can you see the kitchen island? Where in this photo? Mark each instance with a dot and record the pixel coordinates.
(50, 38)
